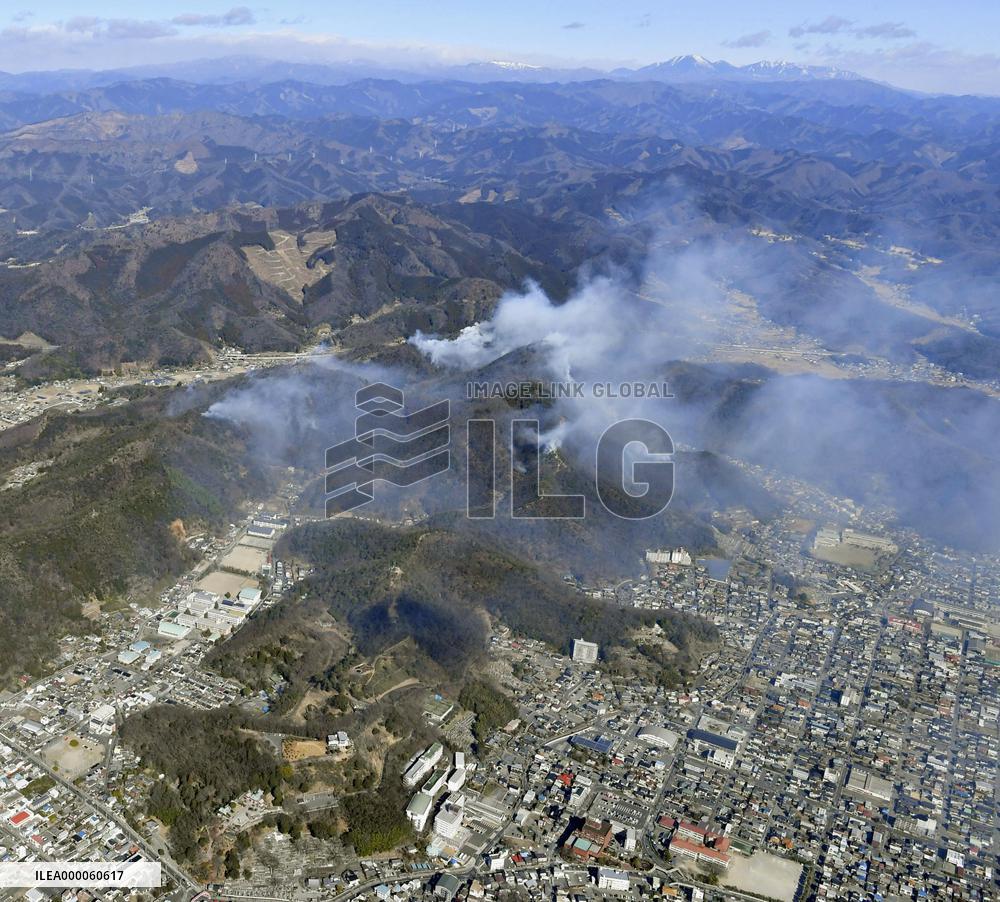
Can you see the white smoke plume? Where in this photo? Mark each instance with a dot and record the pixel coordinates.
(580, 333)
(608, 328)
(609, 332)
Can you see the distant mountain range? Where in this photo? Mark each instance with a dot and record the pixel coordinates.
(692, 67)
(259, 70)
(138, 220)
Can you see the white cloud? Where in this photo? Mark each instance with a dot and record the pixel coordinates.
(135, 29)
(238, 15)
(756, 39)
(86, 42)
(829, 25)
(85, 24)
(921, 66)
(840, 25)
(891, 30)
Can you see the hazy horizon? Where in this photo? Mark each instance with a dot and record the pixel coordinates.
(906, 46)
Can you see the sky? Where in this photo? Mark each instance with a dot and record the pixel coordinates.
(933, 47)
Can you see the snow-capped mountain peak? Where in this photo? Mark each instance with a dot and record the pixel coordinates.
(694, 67)
(513, 66)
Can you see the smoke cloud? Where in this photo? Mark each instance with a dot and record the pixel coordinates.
(582, 334)
(925, 450)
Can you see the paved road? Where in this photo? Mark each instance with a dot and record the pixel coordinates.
(169, 866)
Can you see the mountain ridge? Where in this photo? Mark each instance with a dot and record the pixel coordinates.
(262, 70)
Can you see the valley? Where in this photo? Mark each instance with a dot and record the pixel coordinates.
(312, 591)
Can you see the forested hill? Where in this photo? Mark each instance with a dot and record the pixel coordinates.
(120, 488)
(436, 585)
